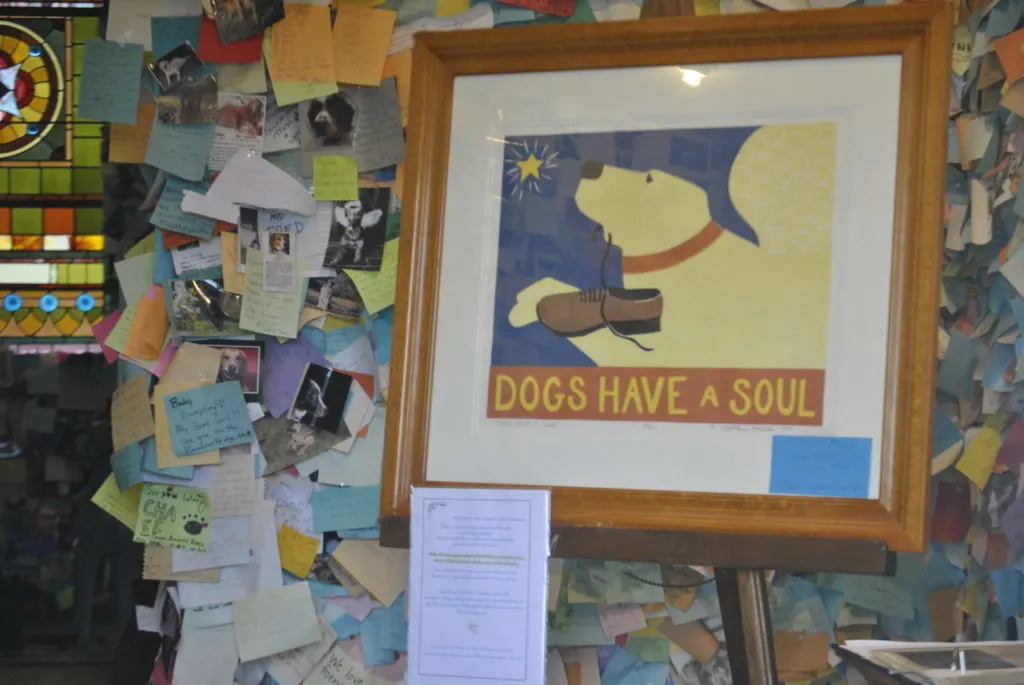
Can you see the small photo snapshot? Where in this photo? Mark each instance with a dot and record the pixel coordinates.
(237, 20)
(335, 295)
(194, 102)
(327, 123)
(358, 228)
(280, 244)
(204, 309)
(173, 69)
(321, 397)
(242, 113)
(241, 361)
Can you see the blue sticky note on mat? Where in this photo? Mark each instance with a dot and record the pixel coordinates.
(180, 149)
(111, 76)
(207, 418)
(341, 508)
(168, 214)
(346, 626)
(149, 464)
(127, 466)
(820, 466)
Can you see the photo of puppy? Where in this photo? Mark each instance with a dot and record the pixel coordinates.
(240, 360)
(280, 244)
(320, 398)
(331, 119)
(358, 230)
(242, 113)
(336, 295)
(174, 68)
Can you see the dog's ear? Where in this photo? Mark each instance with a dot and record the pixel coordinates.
(340, 216)
(371, 219)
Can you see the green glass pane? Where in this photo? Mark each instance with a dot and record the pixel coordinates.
(89, 220)
(25, 181)
(56, 181)
(87, 152)
(88, 181)
(77, 53)
(27, 221)
(85, 27)
(83, 130)
(5, 183)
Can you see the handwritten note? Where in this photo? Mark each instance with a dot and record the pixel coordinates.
(275, 621)
(381, 570)
(230, 545)
(289, 668)
(297, 550)
(124, 506)
(111, 76)
(281, 130)
(345, 508)
(299, 43)
(274, 314)
(232, 482)
(208, 418)
(156, 565)
(168, 214)
(291, 92)
(165, 454)
(361, 38)
(174, 516)
(338, 666)
(180, 149)
(127, 466)
(128, 142)
(377, 288)
(130, 418)
(335, 177)
(234, 280)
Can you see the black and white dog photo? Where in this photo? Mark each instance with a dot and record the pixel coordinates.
(327, 126)
(321, 397)
(358, 229)
(999, 493)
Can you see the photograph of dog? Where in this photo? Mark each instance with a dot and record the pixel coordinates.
(237, 20)
(358, 229)
(285, 442)
(337, 295)
(194, 102)
(242, 113)
(321, 397)
(330, 120)
(204, 309)
(242, 361)
(280, 244)
(173, 69)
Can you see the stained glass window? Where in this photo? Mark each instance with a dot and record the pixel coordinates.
(52, 267)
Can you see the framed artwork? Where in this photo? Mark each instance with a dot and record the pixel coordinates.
(683, 272)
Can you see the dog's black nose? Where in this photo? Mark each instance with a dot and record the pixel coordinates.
(591, 170)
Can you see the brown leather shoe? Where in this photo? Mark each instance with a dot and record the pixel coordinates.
(629, 312)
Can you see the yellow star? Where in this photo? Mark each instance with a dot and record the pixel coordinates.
(529, 167)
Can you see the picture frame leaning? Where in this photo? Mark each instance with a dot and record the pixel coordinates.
(684, 272)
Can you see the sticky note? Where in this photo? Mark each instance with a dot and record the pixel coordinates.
(127, 466)
(168, 214)
(180, 149)
(111, 76)
(124, 506)
(149, 463)
(174, 516)
(345, 508)
(979, 457)
(234, 280)
(165, 456)
(399, 65)
(211, 49)
(297, 550)
(291, 92)
(335, 177)
(128, 142)
(265, 312)
(820, 466)
(381, 570)
(299, 44)
(377, 288)
(447, 7)
(170, 32)
(208, 417)
(275, 621)
(130, 417)
(361, 37)
(148, 331)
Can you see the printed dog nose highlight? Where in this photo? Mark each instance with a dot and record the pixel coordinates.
(591, 170)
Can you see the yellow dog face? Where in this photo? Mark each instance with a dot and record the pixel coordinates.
(644, 211)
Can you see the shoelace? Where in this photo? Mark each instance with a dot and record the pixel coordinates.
(593, 294)
(603, 290)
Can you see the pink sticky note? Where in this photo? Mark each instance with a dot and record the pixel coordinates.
(617, 619)
(102, 331)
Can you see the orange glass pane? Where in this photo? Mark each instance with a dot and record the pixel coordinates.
(28, 242)
(93, 243)
(5, 220)
(59, 220)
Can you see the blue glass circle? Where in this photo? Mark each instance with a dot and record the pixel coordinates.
(33, 129)
(85, 302)
(12, 302)
(35, 50)
(48, 302)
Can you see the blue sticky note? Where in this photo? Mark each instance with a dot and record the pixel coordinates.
(820, 466)
(168, 214)
(149, 464)
(170, 32)
(111, 76)
(626, 669)
(360, 533)
(382, 327)
(127, 465)
(163, 270)
(1008, 592)
(384, 633)
(208, 418)
(180, 149)
(347, 626)
(322, 589)
(340, 508)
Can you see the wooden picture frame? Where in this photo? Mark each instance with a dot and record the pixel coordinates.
(920, 34)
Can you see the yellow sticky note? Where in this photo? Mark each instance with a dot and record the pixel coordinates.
(297, 550)
(377, 288)
(446, 7)
(980, 456)
(149, 330)
(130, 417)
(124, 506)
(399, 65)
(335, 177)
(118, 337)
(174, 516)
(361, 37)
(291, 92)
(128, 142)
(301, 45)
(234, 281)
